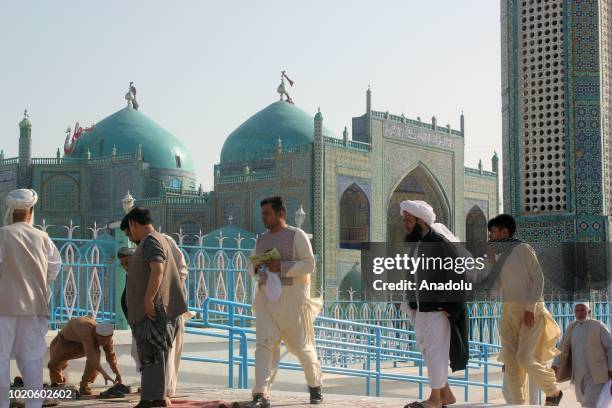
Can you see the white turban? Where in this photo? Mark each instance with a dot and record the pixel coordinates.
(22, 199)
(420, 209)
(104, 329)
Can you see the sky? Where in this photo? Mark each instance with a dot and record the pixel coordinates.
(203, 67)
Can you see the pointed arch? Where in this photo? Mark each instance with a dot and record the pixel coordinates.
(475, 230)
(417, 183)
(354, 217)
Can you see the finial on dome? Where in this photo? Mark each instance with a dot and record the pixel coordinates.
(25, 122)
(282, 90)
(130, 97)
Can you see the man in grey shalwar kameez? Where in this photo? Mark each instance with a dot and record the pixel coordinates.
(586, 356)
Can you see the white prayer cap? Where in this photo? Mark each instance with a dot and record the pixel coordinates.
(419, 209)
(584, 303)
(22, 199)
(104, 329)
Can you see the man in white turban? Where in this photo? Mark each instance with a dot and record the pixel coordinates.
(29, 262)
(440, 325)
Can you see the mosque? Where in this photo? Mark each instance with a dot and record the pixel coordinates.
(342, 190)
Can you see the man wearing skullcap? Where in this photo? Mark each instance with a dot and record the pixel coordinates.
(441, 326)
(29, 262)
(586, 356)
(83, 337)
(528, 331)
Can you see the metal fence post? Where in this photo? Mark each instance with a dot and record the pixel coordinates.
(378, 347)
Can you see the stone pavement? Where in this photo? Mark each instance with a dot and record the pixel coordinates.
(279, 399)
(207, 381)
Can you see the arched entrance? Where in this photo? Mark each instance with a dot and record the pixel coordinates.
(416, 185)
(354, 218)
(475, 231)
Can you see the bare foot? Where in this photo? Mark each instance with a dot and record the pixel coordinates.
(447, 397)
(433, 403)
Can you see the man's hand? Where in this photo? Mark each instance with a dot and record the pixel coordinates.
(274, 266)
(150, 309)
(118, 379)
(528, 318)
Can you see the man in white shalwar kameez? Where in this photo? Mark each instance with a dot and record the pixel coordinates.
(29, 262)
(586, 356)
(289, 317)
(435, 321)
(528, 333)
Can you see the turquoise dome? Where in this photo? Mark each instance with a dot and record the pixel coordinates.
(257, 137)
(126, 129)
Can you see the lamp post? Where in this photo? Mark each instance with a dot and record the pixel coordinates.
(127, 202)
(300, 217)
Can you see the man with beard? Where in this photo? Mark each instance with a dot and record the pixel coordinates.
(586, 356)
(441, 328)
(29, 262)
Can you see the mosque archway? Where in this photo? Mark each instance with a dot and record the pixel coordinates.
(419, 184)
(354, 218)
(475, 231)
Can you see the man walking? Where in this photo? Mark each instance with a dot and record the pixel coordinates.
(29, 262)
(155, 300)
(528, 332)
(290, 317)
(586, 356)
(441, 327)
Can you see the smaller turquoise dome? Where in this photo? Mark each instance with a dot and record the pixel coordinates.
(258, 136)
(128, 128)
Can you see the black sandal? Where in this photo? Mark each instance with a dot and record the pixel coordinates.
(554, 401)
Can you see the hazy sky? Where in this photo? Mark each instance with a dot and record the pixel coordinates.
(203, 67)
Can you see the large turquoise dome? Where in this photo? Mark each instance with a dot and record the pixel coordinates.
(128, 128)
(258, 136)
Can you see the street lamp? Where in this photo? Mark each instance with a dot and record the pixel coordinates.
(300, 216)
(127, 202)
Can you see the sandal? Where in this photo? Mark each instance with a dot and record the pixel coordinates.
(554, 401)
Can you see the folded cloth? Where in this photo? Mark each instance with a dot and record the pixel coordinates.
(273, 287)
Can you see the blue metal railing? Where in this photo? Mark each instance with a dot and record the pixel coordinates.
(345, 348)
